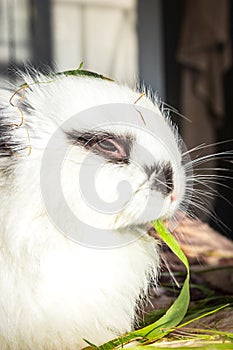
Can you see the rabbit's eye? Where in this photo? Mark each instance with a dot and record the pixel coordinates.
(107, 145)
(110, 147)
(114, 147)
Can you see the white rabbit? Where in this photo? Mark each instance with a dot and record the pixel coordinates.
(63, 280)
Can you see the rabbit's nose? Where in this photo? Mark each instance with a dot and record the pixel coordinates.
(173, 196)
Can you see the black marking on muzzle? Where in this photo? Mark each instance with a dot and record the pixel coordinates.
(160, 176)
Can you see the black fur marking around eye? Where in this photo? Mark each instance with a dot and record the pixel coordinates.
(161, 177)
(88, 140)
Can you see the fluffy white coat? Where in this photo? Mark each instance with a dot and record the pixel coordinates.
(55, 292)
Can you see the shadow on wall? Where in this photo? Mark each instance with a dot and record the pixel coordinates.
(200, 62)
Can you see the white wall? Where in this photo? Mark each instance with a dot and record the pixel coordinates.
(102, 33)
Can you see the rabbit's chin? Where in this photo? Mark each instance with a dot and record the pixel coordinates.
(137, 214)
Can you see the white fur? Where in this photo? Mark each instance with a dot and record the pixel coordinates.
(55, 292)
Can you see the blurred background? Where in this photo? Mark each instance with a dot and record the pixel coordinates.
(182, 49)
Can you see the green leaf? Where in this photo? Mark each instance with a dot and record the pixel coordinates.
(84, 73)
(172, 317)
(177, 311)
(174, 314)
(80, 65)
(203, 315)
(171, 242)
(76, 72)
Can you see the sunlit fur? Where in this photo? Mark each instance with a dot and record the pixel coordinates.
(54, 292)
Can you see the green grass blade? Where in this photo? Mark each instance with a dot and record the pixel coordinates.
(177, 311)
(174, 314)
(82, 72)
(171, 242)
(203, 315)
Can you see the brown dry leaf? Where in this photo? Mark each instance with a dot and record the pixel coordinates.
(222, 322)
(200, 241)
